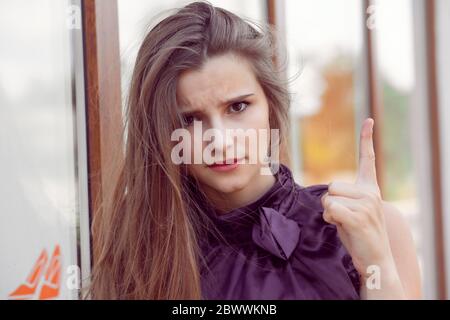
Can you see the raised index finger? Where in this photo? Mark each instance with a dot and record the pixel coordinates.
(367, 170)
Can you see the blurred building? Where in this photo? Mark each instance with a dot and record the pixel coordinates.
(65, 67)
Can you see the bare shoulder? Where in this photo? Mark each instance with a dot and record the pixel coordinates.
(403, 250)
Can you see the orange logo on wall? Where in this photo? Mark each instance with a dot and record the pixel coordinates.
(49, 273)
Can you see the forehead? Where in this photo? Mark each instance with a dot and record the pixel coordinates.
(219, 78)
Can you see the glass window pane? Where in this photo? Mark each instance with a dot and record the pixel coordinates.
(394, 43)
(324, 41)
(38, 187)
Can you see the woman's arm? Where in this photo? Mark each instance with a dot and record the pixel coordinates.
(399, 273)
(404, 251)
(373, 231)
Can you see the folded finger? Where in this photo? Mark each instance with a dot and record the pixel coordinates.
(344, 189)
(350, 203)
(339, 214)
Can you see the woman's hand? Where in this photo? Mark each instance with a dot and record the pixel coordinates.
(357, 211)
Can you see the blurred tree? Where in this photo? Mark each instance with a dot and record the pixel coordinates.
(328, 137)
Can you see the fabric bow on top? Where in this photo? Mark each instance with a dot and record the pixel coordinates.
(276, 233)
(265, 221)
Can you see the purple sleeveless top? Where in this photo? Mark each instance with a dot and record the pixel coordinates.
(278, 247)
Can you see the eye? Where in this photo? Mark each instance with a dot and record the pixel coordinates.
(189, 119)
(238, 106)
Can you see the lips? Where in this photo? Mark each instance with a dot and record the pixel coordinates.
(223, 166)
(224, 163)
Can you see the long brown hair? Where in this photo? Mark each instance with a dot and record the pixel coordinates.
(146, 233)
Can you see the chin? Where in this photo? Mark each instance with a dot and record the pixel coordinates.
(225, 182)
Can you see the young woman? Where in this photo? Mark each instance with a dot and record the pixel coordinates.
(223, 229)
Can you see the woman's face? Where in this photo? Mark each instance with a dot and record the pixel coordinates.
(225, 94)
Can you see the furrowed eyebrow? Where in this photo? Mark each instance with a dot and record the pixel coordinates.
(191, 112)
(225, 102)
(237, 99)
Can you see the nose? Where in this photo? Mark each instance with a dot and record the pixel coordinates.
(221, 142)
